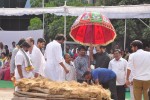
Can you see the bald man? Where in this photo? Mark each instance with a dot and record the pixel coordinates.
(70, 66)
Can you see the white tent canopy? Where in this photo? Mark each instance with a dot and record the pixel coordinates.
(112, 12)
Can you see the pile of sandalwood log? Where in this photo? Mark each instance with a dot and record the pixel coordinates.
(44, 89)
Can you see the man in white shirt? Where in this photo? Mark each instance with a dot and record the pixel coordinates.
(37, 58)
(139, 63)
(118, 65)
(55, 68)
(70, 66)
(22, 60)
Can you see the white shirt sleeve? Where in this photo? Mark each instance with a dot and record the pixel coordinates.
(110, 66)
(130, 62)
(19, 60)
(126, 65)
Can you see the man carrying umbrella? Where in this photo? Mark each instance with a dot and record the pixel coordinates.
(101, 57)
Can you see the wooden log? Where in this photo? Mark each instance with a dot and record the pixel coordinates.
(34, 94)
(18, 94)
(42, 95)
(40, 90)
(26, 98)
(51, 97)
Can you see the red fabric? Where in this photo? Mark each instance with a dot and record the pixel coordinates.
(94, 34)
(93, 28)
(7, 74)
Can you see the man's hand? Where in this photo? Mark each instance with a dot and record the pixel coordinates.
(64, 67)
(89, 69)
(11, 74)
(36, 75)
(91, 48)
(97, 82)
(128, 82)
(66, 70)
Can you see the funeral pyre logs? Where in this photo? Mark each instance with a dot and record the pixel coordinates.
(50, 90)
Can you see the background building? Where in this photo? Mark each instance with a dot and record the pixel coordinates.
(15, 22)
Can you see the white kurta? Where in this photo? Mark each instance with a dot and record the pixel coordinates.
(20, 59)
(37, 60)
(72, 72)
(53, 54)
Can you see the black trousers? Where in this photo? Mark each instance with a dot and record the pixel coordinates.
(111, 85)
(121, 92)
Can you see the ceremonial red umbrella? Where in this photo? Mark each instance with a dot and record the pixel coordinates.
(92, 28)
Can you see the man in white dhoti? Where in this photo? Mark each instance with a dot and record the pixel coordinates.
(22, 61)
(37, 58)
(55, 68)
(70, 66)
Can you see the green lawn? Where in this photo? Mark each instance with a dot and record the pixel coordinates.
(6, 84)
(127, 95)
(9, 84)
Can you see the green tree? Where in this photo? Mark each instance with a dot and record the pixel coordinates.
(55, 24)
(36, 3)
(35, 23)
(146, 34)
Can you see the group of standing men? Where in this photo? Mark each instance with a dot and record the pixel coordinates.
(134, 73)
(28, 60)
(110, 74)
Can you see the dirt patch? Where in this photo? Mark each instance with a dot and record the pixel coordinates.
(6, 94)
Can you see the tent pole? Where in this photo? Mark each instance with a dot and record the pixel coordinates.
(65, 27)
(43, 17)
(1, 29)
(125, 35)
(144, 23)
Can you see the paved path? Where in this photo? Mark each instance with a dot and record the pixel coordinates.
(6, 94)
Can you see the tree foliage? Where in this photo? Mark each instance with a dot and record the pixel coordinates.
(35, 23)
(36, 3)
(135, 29)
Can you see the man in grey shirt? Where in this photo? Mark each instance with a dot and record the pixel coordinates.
(14, 52)
(82, 63)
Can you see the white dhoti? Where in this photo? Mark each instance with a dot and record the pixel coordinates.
(54, 71)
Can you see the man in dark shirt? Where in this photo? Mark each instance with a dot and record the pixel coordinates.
(105, 77)
(101, 58)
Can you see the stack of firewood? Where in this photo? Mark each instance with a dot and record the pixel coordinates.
(44, 89)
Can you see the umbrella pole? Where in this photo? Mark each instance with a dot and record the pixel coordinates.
(125, 35)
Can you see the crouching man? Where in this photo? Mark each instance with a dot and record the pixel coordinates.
(104, 77)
